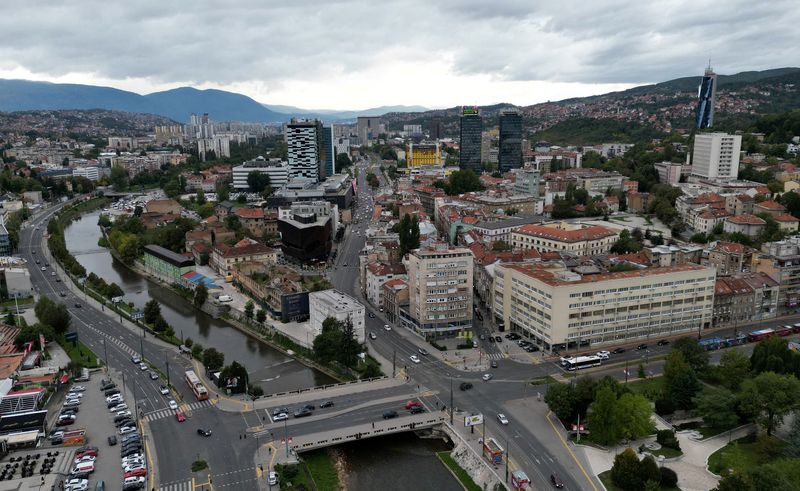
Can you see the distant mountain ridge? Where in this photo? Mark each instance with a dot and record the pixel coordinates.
(336, 115)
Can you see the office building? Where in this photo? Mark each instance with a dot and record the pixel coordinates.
(166, 265)
(328, 153)
(716, 156)
(471, 133)
(91, 172)
(705, 100)
(577, 239)
(423, 154)
(305, 234)
(559, 309)
(668, 172)
(436, 129)
(527, 182)
(305, 150)
(277, 170)
(5, 238)
(336, 305)
(440, 296)
(368, 128)
(510, 155)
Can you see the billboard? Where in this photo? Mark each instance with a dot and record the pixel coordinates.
(470, 111)
(473, 420)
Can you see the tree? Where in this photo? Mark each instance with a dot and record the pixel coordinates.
(769, 397)
(237, 372)
(626, 243)
(409, 234)
(248, 309)
(152, 311)
(772, 355)
(257, 181)
(649, 470)
(261, 316)
(694, 354)
(669, 479)
(113, 290)
(501, 246)
(200, 197)
(462, 181)
(602, 418)
(734, 482)
(188, 342)
(52, 314)
(626, 472)
(717, 408)
(342, 161)
(680, 381)
(561, 399)
(733, 368)
(119, 178)
(31, 334)
(200, 294)
(213, 359)
(633, 416)
(197, 350)
(792, 448)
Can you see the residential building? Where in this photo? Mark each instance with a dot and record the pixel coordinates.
(15, 278)
(599, 182)
(706, 97)
(527, 182)
(787, 223)
(220, 146)
(337, 305)
(609, 150)
(471, 128)
(769, 207)
(278, 289)
(716, 156)
(277, 170)
(305, 150)
(749, 225)
(673, 255)
(705, 222)
(733, 301)
(166, 265)
(395, 294)
(559, 309)
(328, 153)
(376, 275)
(567, 237)
(510, 156)
(440, 295)
(91, 172)
(729, 258)
(494, 230)
(224, 258)
(423, 154)
(766, 293)
(638, 202)
(781, 261)
(253, 220)
(668, 172)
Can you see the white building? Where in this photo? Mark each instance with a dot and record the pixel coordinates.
(716, 156)
(92, 173)
(335, 304)
(220, 145)
(277, 170)
(377, 274)
(668, 172)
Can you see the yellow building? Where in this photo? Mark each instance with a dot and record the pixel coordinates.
(421, 154)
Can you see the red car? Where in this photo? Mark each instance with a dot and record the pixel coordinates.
(92, 453)
(180, 416)
(140, 472)
(411, 404)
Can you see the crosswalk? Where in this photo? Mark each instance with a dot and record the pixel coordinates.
(166, 412)
(176, 486)
(495, 356)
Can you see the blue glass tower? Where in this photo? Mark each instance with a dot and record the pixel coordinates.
(705, 100)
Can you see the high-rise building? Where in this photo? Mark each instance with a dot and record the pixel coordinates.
(440, 299)
(716, 156)
(471, 128)
(706, 97)
(368, 128)
(436, 129)
(327, 153)
(305, 149)
(510, 156)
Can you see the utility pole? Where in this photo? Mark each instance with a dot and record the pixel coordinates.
(394, 362)
(286, 438)
(105, 353)
(508, 457)
(141, 348)
(167, 362)
(451, 400)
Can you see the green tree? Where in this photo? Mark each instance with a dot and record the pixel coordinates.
(53, 314)
(462, 181)
(152, 311)
(104, 221)
(734, 367)
(200, 197)
(113, 290)
(633, 416)
(772, 355)
(200, 294)
(769, 397)
(248, 309)
(409, 234)
(197, 350)
(717, 408)
(680, 381)
(257, 181)
(213, 359)
(188, 342)
(501, 246)
(649, 470)
(603, 418)
(31, 333)
(735, 481)
(261, 316)
(694, 354)
(119, 178)
(625, 244)
(626, 471)
(342, 161)
(561, 399)
(792, 448)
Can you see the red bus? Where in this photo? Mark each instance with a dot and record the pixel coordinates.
(196, 385)
(759, 335)
(784, 331)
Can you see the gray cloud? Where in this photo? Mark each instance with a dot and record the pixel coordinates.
(270, 42)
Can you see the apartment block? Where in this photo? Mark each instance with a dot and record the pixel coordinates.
(716, 156)
(558, 308)
(565, 237)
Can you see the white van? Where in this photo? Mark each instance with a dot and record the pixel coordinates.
(83, 467)
(225, 298)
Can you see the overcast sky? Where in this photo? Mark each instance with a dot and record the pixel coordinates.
(359, 54)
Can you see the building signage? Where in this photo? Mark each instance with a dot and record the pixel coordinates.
(473, 420)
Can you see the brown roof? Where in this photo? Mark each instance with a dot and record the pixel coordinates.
(714, 214)
(731, 286)
(785, 217)
(546, 273)
(244, 250)
(593, 232)
(744, 198)
(249, 212)
(383, 269)
(731, 247)
(771, 205)
(746, 220)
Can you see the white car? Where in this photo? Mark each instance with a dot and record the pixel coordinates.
(77, 388)
(134, 467)
(487, 377)
(76, 485)
(414, 358)
(173, 405)
(136, 360)
(44, 269)
(127, 429)
(85, 458)
(132, 480)
(142, 367)
(273, 478)
(565, 360)
(123, 413)
(604, 354)
(133, 459)
(164, 390)
(114, 398)
(280, 417)
(119, 407)
(387, 327)
(502, 418)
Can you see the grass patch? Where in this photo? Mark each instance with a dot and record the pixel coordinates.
(20, 300)
(320, 465)
(666, 452)
(546, 380)
(292, 477)
(199, 465)
(605, 478)
(619, 219)
(745, 454)
(79, 353)
(651, 388)
(460, 473)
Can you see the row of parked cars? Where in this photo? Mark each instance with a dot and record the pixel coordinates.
(413, 407)
(69, 409)
(134, 468)
(282, 413)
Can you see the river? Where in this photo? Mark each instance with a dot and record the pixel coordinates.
(395, 462)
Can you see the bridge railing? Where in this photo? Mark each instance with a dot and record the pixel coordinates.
(312, 441)
(323, 387)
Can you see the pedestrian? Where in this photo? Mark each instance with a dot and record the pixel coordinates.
(373, 425)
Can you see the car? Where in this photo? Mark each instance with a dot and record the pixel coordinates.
(52, 273)
(43, 268)
(72, 403)
(76, 484)
(153, 375)
(132, 460)
(180, 416)
(417, 410)
(131, 480)
(93, 452)
(371, 315)
(498, 339)
(136, 360)
(118, 408)
(303, 412)
(487, 377)
(603, 355)
(127, 429)
(55, 434)
(203, 432)
(125, 422)
(126, 452)
(86, 448)
(387, 327)
(326, 404)
(173, 405)
(107, 385)
(493, 364)
(112, 440)
(663, 342)
(482, 337)
(77, 388)
(531, 348)
(114, 398)
(410, 404)
(565, 360)
(491, 339)
(280, 410)
(100, 486)
(423, 352)
(84, 458)
(556, 481)
(38, 262)
(142, 366)
(272, 478)
(138, 471)
(502, 418)
(465, 386)
(617, 351)
(372, 335)
(58, 280)
(121, 414)
(414, 358)
(642, 346)
(280, 417)
(389, 414)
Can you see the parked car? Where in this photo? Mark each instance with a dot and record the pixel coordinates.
(663, 342)
(642, 346)
(417, 410)
(494, 364)
(153, 375)
(423, 351)
(498, 339)
(502, 418)
(389, 414)
(280, 410)
(387, 327)
(164, 390)
(303, 412)
(112, 440)
(372, 335)
(280, 417)
(136, 360)
(411, 404)
(142, 366)
(272, 478)
(617, 351)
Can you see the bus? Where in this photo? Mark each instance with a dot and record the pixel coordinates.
(582, 362)
(196, 385)
(761, 334)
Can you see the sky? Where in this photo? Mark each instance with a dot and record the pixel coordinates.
(351, 54)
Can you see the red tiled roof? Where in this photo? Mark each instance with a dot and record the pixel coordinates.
(744, 198)
(546, 273)
(714, 214)
(771, 205)
(785, 217)
(746, 220)
(249, 212)
(593, 232)
(383, 269)
(730, 247)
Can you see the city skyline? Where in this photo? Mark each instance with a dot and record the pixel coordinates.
(308, 56)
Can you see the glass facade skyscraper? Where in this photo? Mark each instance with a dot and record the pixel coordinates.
(705, 100)
(471, 129)
(510, 155)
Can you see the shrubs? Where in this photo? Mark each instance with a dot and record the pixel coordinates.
(669, 479)
(629, 473)
(664, 406)
(667, 439)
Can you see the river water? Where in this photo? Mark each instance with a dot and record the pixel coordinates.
(395, 462)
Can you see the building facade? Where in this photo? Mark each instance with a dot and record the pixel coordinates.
(716, 156)
(339, 306)
(471, 127)
(581, 240)
(165, 264)
(705, 100)
(510, 154)
(305, 152)
(277, 170)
